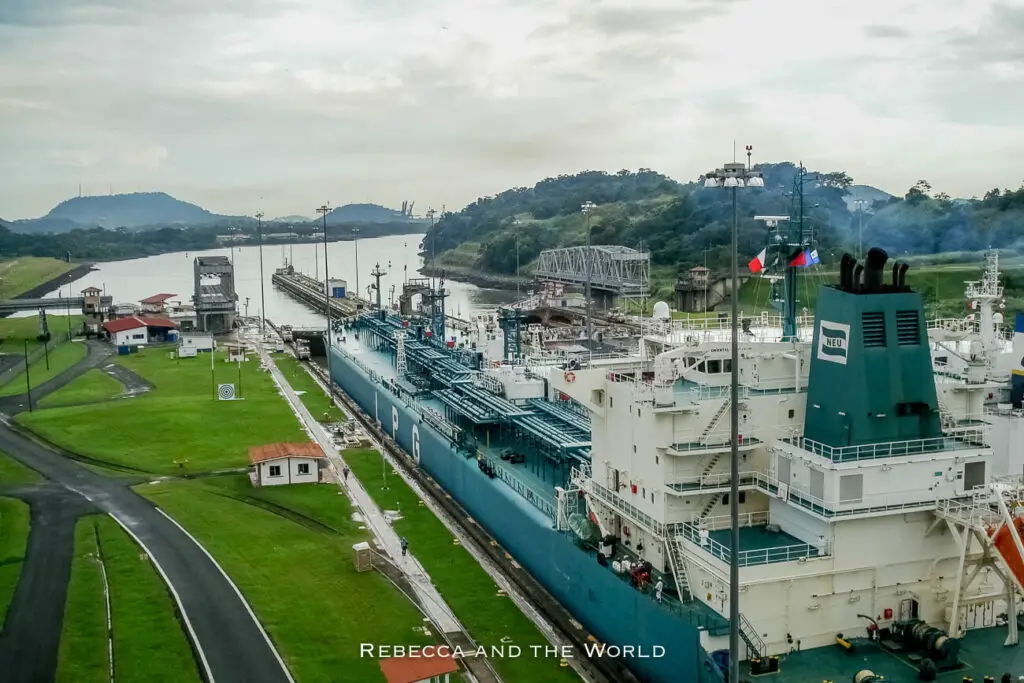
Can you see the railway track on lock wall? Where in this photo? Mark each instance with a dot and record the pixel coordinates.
(594, 669)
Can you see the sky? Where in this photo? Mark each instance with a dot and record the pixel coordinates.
(283, 105)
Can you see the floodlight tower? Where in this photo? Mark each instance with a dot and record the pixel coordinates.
(588, 208)
(733, 176)
(263, 300)
(324, 209)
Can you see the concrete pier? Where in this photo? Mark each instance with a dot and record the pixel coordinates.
(312, 293)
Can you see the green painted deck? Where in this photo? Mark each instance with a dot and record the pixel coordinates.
(759, 546)
(982, 654)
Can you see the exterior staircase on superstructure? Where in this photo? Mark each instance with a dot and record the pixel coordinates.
(711, 466)
(706, 434)
(677, 563)
(755, 646)
(946, 418)
(709, 507)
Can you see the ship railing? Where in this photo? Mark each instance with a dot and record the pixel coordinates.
(976, 512)
(538, 500)
(756, 556)
(719, 437)
(719, 522)
(961, 438)
(723, 322)
(1005, 411)
(628, 510)
(802, 497)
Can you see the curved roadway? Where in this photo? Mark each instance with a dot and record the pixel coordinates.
(230, 643)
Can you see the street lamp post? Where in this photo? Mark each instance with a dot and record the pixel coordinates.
(860, 204)
(587, 208)
(263, 300)
(733, 176)
(324, 210)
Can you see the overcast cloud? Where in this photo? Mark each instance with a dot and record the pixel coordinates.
(442, 101)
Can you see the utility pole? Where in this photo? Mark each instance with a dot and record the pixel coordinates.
(324, 210)
(28, 381)
(263, 299)
(587, 208)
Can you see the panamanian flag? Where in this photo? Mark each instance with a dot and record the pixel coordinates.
(805, 258)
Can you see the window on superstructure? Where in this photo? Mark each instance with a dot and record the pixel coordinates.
(714, 367)
(851, 488)
(727, 365)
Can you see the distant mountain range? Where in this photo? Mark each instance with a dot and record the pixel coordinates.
(147, 210)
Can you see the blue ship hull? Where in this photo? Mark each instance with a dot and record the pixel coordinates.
(610, 608)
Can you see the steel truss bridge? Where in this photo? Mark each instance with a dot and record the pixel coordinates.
(68, 303)
(614, 269)
(560, 434)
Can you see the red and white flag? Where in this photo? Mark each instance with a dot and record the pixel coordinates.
(757, 263)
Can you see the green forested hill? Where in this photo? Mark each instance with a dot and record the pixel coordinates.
(682, 223)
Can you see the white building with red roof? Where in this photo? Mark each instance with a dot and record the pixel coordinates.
(137, 331)
(156, 304)
(286, 463)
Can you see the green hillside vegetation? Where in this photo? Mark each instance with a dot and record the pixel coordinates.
(685, 224)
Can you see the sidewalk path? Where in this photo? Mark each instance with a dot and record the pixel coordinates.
(428, 596)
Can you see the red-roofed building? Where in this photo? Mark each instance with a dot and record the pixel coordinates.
(433, 669)
(156, 303)
(286, 463)
(136, 331)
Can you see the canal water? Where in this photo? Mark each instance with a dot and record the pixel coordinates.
(135, 279)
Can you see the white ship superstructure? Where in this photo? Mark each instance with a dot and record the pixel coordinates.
(866, 514)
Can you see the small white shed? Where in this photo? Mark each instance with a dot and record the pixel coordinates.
(285, 463)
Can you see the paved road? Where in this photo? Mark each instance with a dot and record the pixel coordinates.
(98, 353)
(30, 640)
(132, 382)
(230, 642)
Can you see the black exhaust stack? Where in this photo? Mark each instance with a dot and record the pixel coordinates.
(846, 272)
(873, 270)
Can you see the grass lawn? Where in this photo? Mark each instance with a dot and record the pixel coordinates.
(13, 472)
(92, 386)
(61, 357)
(13, 537)
(149, 643)
(177, 427)
(14, 332)
(466, 587)
(19, 275)
(289, 549)
(313, 396)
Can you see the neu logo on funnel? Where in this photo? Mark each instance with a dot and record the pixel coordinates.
(833, 342)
